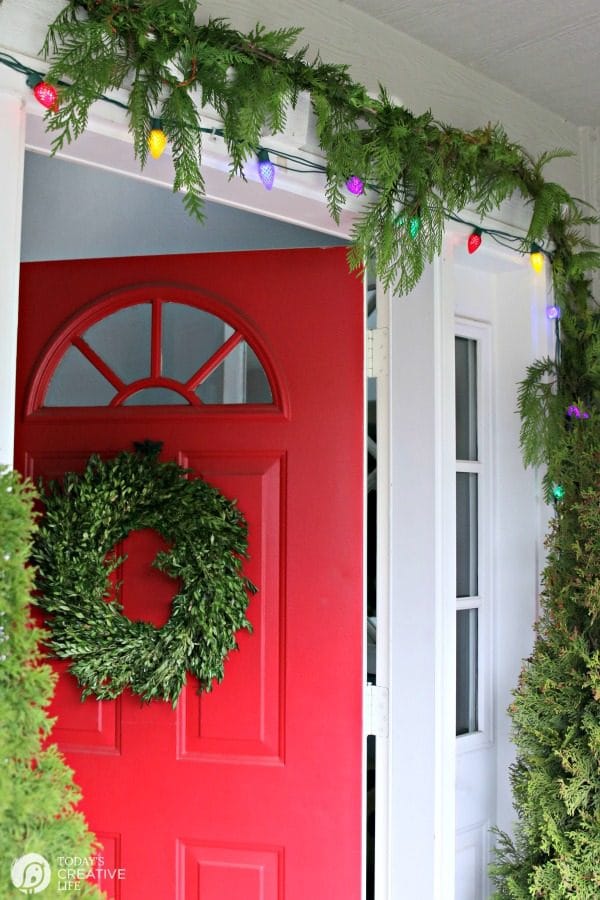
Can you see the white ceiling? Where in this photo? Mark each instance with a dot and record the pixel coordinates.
(547, 50)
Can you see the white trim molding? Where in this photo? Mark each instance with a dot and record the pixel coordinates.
(12, 160)
(422, 615)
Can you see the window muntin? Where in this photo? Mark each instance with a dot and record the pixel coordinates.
(190, 336)
(240, 378)
(76, 382)
(123, 340)
(158, 353)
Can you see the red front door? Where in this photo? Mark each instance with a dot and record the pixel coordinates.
(249, 368)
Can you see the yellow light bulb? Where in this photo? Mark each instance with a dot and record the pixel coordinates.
(537, 260)
(157, 141)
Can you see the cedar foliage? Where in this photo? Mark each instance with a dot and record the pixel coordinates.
(172, 67)
(38, 797)
(556, 708)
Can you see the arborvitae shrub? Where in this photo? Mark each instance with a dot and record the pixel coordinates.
(38, 797)
(556, 708)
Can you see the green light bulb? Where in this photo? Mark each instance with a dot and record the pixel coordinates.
(558, 492)
(414, 226)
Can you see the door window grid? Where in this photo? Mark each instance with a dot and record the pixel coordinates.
(473, 396)
(158, 353)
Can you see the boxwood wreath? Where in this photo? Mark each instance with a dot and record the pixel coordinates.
(85, 517)
(170, 65)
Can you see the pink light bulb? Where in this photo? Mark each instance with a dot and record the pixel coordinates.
(355, 185)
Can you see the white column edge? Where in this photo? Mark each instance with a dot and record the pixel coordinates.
(12, 131)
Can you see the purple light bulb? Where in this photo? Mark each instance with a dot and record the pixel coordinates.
(266, 170)
(553, 312)
(355, 185)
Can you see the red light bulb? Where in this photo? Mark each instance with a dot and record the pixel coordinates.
(474, 241)
(46, 94)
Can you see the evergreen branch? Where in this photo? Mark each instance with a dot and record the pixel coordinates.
(538, 405)
(252, 79)
(39, 799)
(182, 125)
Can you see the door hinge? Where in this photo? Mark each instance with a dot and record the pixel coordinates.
(377, 352)
(377, 710)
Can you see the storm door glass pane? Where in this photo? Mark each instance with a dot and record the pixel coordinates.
(466, 535)
(155, 396)
(240, 378)
(190, 336)
(122, 340)
(466, 398)
(258, 389)
(466, 671)
(76, 382)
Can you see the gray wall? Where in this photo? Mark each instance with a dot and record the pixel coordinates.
(74, 211)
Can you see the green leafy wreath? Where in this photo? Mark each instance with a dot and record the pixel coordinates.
(85, 518)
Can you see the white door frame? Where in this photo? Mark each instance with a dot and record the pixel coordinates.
(417, 651)
(12, 162)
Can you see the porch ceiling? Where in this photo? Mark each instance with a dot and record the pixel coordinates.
(546, 50)
(543, 49)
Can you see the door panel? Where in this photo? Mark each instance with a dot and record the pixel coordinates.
(253, 790)
(212, 873)
(253, 683)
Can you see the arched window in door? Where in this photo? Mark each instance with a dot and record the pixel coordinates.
(153, 353)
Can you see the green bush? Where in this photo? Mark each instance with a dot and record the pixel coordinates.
(38, 798)
(556, 708)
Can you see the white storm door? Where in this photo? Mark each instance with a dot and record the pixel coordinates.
(460, 617)
(500, 328)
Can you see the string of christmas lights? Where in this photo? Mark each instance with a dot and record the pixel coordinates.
(47, 95)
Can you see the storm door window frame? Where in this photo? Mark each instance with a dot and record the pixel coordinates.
(474, 525)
